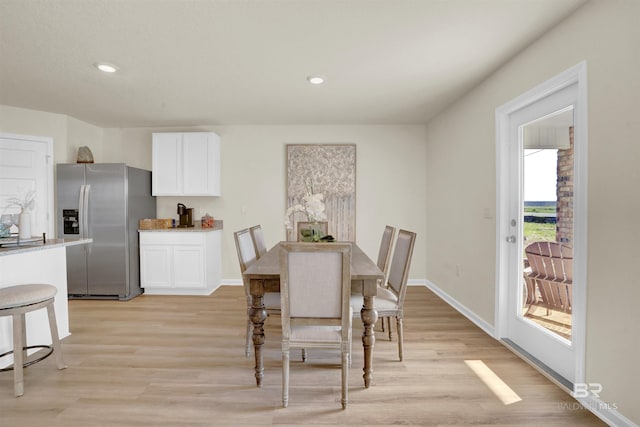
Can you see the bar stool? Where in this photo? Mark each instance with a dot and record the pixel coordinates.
(16, 301)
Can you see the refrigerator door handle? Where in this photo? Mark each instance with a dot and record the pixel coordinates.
(85, 209)
(81, 211)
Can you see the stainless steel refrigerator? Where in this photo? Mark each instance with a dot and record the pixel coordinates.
(103, 201)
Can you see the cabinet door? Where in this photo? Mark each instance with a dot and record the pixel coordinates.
(155, 266)
(167, 164)
(188, 266)
(201, 164)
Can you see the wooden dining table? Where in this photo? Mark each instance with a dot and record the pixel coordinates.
(264, 276)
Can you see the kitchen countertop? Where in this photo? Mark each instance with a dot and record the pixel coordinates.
(217, 225)
(39, 246)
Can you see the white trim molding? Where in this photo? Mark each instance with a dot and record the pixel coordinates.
(462, 309)
(607, 412)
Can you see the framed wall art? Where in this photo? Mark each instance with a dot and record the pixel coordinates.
(330, 170)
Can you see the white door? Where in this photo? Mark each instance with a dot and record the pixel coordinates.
(26, 165)
(560, 354)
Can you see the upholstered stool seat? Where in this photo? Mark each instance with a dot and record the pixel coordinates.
(16, 301)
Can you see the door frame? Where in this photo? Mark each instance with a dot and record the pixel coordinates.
(50, 178)
(574, 75)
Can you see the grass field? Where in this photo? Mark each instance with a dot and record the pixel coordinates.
(536, 232)
(539, 209)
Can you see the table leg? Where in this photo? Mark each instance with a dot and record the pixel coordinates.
(257, 315)
(369, 317)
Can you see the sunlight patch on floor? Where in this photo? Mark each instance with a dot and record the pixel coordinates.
(495, 384)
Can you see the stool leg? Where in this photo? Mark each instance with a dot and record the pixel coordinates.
(55, 340)
(18, 354)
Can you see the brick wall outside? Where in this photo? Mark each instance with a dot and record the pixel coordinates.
(564, 188)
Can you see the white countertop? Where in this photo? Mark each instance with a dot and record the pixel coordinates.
(40, 246)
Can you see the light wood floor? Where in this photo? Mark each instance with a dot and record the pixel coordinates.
(179, 361)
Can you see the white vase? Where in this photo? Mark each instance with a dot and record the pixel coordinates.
(24, 224)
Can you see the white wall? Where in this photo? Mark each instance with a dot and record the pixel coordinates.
(461, 184)
(36, 123)
(389, 174)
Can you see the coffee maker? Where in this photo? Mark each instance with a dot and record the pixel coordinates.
(186, 216)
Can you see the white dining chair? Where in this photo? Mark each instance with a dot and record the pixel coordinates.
(315, 285)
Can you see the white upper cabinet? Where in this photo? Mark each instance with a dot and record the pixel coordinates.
(186, 164)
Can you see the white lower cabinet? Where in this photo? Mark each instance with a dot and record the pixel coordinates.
(180, 263)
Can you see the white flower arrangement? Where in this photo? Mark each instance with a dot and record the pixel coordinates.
(312, 206)
(26, 202)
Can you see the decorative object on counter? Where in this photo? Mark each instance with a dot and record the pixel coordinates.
(84, 155)
(6, 222)
(311, 231)
(26, 203)
(186, 216)
(164, 223)
(207, 221)
(155, 223)
(147, 224)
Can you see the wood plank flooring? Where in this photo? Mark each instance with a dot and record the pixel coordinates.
(179, 361)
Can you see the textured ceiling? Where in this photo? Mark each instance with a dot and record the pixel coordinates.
(212, 62)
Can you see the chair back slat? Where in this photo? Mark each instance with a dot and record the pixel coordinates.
(384, 253)
(245, 248)
(400, 264)
(258, 240)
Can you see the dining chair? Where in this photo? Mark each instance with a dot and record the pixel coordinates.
(384, 256)
(315, 285)
(390, 299)
(258, 240)
(247, 256)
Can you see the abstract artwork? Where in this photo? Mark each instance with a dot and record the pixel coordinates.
(329, 169)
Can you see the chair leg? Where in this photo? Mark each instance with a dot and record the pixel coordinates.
(389, 326)
(285, 378)
(55, 339)
(18, 354)
(400, 336)
(345, 378)
(304, 354)
(247, 349)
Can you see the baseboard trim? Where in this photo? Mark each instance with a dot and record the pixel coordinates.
(231, 282)
(607, 412)
(238, 282)
(462, 309)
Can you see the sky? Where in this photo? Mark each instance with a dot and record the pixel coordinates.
(540, 175)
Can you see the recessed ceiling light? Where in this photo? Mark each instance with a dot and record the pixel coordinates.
(315, 80)
(107, 68)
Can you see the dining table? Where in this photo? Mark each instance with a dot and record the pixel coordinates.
(264, 276)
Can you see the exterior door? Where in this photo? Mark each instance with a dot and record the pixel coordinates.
(533, 134)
